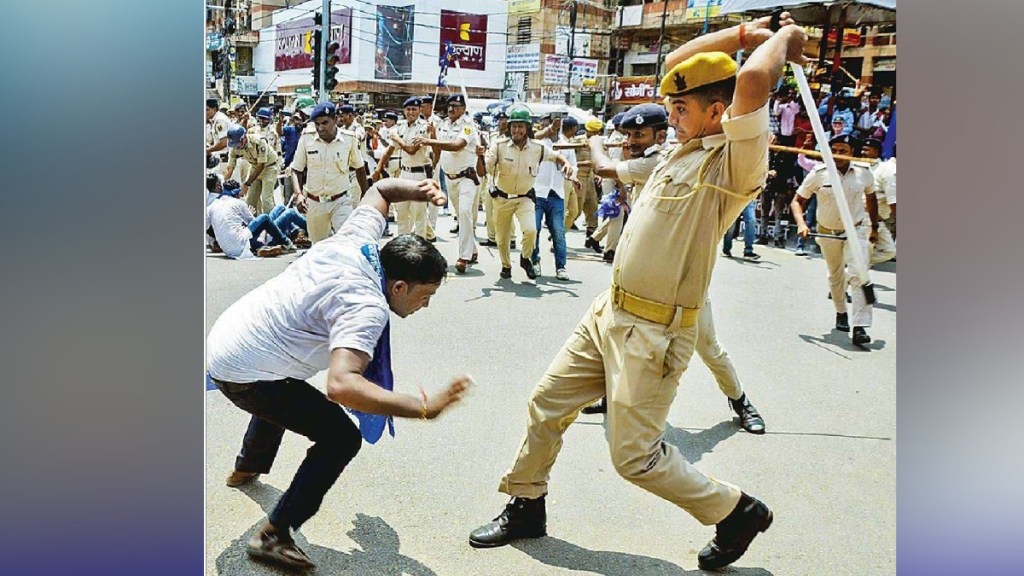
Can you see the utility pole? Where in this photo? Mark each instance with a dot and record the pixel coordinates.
(226, 50)
(661, 43)
(325, 39)
(572, 53)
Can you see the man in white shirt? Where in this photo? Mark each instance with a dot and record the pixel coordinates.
(237, 231)
(885, 191)
(859, 188)
(415, 165)
(550, 190)
(327, 311)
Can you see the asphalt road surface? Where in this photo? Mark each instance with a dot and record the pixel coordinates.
(827, 466)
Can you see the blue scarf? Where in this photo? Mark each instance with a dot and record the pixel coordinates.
(371, 426)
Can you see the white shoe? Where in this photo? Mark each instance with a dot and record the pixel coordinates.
(536, 268)
(561, 274)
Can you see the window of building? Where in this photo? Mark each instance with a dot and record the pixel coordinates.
(524, 30)
(643, 69)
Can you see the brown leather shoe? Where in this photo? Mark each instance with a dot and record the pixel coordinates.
(237, 478)
(460, 265)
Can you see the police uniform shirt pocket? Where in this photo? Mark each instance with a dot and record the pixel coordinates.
(669, 197)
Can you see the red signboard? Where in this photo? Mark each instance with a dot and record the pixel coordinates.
(633, 90)
(293, 50)
(468, 35)
(851, 36)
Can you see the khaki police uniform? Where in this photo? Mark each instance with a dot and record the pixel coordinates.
(431, 208)
(327, 188)
(261, 190)
(460, 170)
(587, 200)
(485, 191)
(355, 192)
(217, 129)
(885, 190)
(632, 174)
(857, 182)
(412, 216)
(515, 170)
(636, 341)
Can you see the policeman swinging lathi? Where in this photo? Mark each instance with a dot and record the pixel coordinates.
(635, 342)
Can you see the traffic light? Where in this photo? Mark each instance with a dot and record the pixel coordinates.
(316, 58)
(330, 81)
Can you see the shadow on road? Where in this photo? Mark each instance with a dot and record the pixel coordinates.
(562, 554)
(378, 553)
(526, 289)
(694, 446)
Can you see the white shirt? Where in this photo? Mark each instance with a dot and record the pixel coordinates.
(885, 186)
(230, 219)
(549, 177)
(462, 129)
(330, 298)
(857, 182)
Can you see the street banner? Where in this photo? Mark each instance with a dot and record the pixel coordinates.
(516, 7)
(702, 9)
(468, 36)
(633, 90)
(580, 46)
(556, 68)
(293, 50)
(583, 69)
(523, 58)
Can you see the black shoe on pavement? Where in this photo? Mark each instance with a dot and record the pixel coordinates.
(490, 243)
(599, 407)
(780, 243)
(592, 244)
(512, 245)
(525, 264)
(522, 518)
(849, 299)
(751, 255)
(609, 256)
(762, 241)
(843, 322)
(506, 272)
(749, 418)
(727, 253)
(860, 336)
(734, 534)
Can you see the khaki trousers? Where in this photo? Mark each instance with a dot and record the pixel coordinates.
(885, 249)
(488, 203)
(638, 365)
(522, 209)
(589, 201)
(572, 205)
(715, 356)
(841, 271)
(321, 217)
(261, 193)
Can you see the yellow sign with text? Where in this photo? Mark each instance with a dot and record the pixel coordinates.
(523, 6)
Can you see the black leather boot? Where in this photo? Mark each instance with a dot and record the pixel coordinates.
(749, 418)
(842, 322)
(599, 407)
(522, 518)
(527, 265)
(734, 534)
(860, 336)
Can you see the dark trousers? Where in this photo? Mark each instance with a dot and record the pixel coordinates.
(294, 405)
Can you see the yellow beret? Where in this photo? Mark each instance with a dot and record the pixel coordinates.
(594, 125)
(696, 71)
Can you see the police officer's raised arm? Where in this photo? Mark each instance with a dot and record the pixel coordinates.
(763, 69)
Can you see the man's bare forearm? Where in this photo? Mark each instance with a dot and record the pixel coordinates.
(725, 40)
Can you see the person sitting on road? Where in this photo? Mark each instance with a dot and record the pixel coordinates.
(237, 231)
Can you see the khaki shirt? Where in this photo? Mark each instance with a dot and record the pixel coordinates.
(668, 247)
(462, 129)
(407, 132)
(217, 128)
(514, 168)
(615, 137)
(638, 170)
(256, 151)
(582, 155)
(327, 164)
(857, 181)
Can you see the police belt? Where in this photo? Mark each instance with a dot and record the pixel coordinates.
(531, 194)
(653, 311)
(326, 199)
(425, 169)
(830, 231)
(467, 173)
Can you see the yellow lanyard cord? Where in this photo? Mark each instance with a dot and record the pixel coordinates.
(700, 181)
